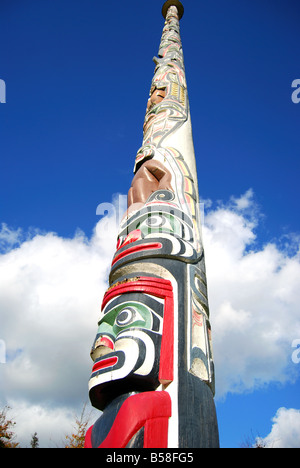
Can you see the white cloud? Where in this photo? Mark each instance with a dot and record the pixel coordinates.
(50, 295)
(254, 295)
(52, 424)
(285, 431)
(9, 237)
(244, 201)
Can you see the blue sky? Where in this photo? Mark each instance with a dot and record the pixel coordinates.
(77, 77)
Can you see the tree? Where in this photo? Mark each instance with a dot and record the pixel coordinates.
(7, 436)
(76, 440)
(253, 442)
(34, 441)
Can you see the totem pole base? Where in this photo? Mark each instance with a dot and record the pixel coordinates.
(133, 421)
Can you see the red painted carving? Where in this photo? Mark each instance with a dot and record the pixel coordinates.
(150, 410)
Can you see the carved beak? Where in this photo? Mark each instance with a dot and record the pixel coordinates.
(104, 345)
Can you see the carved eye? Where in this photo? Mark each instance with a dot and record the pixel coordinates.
(158, 221)
(155, 221)
(128, 316)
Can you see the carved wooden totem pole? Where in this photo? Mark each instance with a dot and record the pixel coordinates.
(153, 372)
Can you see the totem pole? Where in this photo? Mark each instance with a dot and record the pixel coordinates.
(153, 372)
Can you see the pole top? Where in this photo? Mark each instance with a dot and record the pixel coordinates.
(169, 3)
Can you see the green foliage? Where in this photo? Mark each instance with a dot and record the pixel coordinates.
(34, 441)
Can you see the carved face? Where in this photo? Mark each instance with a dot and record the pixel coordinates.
(127, 346)
(157, 95)
(127, 315)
